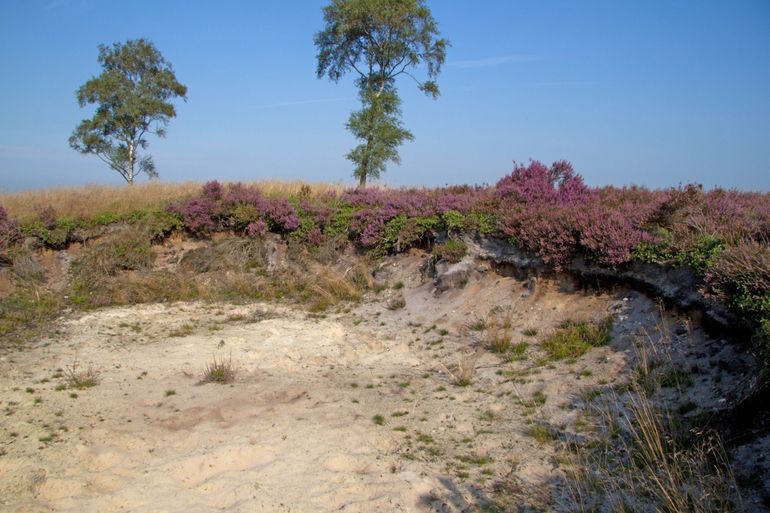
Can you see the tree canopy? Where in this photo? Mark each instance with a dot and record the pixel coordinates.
(132, 97)
(379, 40)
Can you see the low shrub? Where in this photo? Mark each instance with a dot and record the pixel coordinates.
(9, 230)
(452, 251)
(95, 279)
(741, 275)
(157, 224)
(55, 233)
(574, 339)
(80, 379)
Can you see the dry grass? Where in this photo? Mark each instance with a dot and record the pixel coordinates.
(90, 200)
(27, 306)
(494, 332)
(219, 371)
(643, 456)
(80, 379)
(648, 462)
(497, 336)
(462, 374)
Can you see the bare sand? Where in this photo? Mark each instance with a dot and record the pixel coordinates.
(351, 411)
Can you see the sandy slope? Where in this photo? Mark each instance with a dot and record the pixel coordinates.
(295, 432)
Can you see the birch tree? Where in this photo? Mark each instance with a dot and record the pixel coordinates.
(132, 97)
(379, 41)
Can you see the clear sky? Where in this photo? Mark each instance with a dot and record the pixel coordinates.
(648, 92)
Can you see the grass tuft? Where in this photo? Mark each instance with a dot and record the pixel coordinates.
(219, 371)
(80, 379)
(574, 339)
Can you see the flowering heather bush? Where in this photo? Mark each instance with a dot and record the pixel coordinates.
(257, 229)
(535, 183)
(196, 215)
(609, 235)
(9, 230)
(212, 191)
(282, 215)
(547, 210)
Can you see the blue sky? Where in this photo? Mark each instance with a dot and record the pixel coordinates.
(652, 92)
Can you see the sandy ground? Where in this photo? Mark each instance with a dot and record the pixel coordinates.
(297, 430)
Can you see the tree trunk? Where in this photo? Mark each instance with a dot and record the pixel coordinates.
(131, 159)
(362, 181)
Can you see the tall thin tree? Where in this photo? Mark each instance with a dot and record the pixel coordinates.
(379, 40)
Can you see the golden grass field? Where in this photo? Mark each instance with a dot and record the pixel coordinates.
(87, 201)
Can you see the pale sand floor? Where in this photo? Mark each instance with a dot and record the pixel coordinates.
(295, 431)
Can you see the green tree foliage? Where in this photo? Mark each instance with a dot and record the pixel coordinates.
(378, 125)
(379, 40)
(132, 101)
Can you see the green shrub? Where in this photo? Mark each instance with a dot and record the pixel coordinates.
(482, 222)
(454, 221)
(104, 219)
(700, 253)
(56, 235)
(128, 249)
(403, 232)
(574, 339)
(451, 251)
(157, 224)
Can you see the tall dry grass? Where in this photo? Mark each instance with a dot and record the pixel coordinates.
(90, 200)
(643, 455)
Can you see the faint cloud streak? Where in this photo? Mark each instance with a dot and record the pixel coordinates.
(300, 102)
(492, 61)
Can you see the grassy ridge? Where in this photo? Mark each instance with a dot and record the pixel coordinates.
(92, 201)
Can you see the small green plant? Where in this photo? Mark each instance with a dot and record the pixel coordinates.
(219, 371)
(475, 459)
(539, 398)
(574, 339)
(477, 324)
(170, 392)
(518, 351)
(541, 433)
(530, 332)
(424, 438)
(488, 416)
(378, 420)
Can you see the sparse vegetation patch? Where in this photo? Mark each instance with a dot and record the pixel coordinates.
(573, 339)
